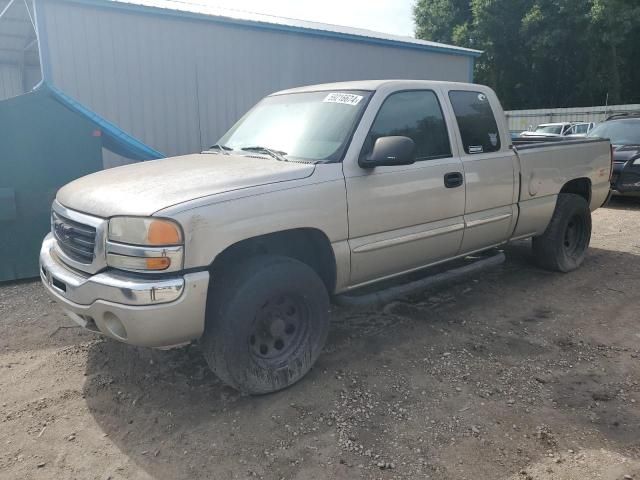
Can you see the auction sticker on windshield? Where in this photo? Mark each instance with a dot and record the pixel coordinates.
(345, 98)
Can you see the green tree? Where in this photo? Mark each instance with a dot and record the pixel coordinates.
(555, 33)
(544, 53)
(497, 30)
(617, 26)
(436, 20)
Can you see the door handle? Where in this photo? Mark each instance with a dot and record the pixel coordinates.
(453, 179)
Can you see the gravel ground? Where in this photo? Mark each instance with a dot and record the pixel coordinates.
(516, 373)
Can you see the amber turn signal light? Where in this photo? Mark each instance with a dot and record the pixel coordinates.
(158, 263)
(163, 232)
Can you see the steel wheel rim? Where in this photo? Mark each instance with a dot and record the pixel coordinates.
(280, 325)
(574, 236)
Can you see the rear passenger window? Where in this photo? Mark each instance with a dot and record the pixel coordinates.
(413, 114)
(477, 124)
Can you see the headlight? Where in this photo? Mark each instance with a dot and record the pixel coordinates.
(636, 161)
(145, 231)
(142, 244)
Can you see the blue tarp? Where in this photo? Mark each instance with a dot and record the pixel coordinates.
(113, 138)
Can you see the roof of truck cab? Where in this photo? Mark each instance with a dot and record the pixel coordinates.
(369, 85)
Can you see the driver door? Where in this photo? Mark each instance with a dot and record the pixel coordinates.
(405, 217)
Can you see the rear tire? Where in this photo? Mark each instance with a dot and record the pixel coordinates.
(267, 322)
(562, 247)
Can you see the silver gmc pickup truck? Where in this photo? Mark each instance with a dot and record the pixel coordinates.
(316, 191)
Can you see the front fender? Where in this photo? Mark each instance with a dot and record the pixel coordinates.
(210, 229)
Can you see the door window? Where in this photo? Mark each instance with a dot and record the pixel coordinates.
(477, 124)
(414, 114)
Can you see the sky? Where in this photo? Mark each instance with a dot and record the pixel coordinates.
(389, 16)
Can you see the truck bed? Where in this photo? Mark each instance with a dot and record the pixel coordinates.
(547, 165)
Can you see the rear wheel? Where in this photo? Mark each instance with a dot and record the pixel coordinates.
(562, 247)
(267, 321)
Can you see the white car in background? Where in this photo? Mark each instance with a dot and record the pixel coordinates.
(580, 129)
(549, 130)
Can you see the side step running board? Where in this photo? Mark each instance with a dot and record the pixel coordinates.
(383, 297)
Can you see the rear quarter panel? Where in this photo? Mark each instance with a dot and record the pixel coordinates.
(545, 169)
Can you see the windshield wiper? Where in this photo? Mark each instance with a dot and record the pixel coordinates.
(277, 154)
(222, 148)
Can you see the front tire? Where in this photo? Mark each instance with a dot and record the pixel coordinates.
(562, 247)
(267, 322)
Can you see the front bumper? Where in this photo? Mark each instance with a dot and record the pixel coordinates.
(140, 311)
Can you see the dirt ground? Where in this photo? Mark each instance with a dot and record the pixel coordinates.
(514, 374)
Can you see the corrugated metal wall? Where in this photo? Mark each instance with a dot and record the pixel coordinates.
(524, 119)
(10, 81)
(32, 77)
(178, 84)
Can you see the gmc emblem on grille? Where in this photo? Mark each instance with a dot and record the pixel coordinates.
(62, 231)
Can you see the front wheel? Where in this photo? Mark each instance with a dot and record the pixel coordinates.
(267, 322)
(563, 245)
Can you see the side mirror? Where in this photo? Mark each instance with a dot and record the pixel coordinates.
(390, 151)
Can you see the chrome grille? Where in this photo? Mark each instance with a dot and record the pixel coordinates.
(75, 239)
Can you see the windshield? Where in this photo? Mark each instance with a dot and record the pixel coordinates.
(620, 132)
(310, 126)
(555, 129)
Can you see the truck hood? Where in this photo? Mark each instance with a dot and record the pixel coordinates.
(144, 188)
